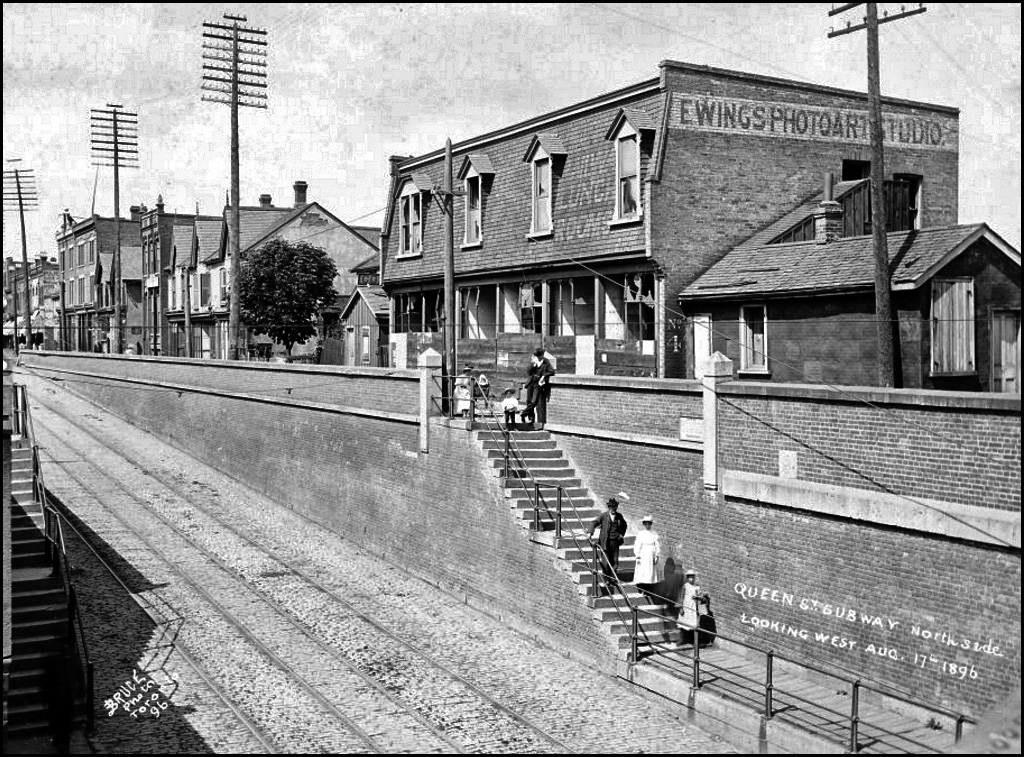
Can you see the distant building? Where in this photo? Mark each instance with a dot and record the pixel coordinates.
(357, 332)
(85, 250)
(159, 231)
(43, 306)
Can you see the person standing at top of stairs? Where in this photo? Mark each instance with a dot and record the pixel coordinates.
(611, 530)
(538, 387)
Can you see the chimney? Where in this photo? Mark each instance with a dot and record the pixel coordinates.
(265, 201)
(828, 218)
(160, 203)
(300, 193)
(136, 212)
(394, 161)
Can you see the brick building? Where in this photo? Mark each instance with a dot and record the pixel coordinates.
(44, 300)
(159, 231)
(85, 251)
(577, 229)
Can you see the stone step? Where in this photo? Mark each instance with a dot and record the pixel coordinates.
(526, 454)
(39, 610)
(54, 627)
(522, 444)
(565, 477)
(616, 609)
(33, 675)
(41, 643)
(36, 585)
(28, 543)
(28, 719)
(540, 463)
(29, 560)
(585, 551)
(567, 542)
(26, 696)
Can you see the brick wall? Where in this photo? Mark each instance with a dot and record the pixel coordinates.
(718, 189)
(953, 447)
(638, 406)
(441, 515)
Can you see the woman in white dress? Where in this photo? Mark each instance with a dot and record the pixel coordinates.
(689, 598)
(648, 557)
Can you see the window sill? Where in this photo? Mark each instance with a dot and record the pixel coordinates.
(541, 234)
(619, 222)
(471, 245)
(409, 256)
(952, 374)
(754, 373)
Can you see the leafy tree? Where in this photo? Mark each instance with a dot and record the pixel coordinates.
(283, 286)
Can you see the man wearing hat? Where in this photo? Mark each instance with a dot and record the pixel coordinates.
(611, 528)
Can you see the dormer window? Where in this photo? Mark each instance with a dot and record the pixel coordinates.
(627, 169)
(473, 209)
(543, 151)
(411, 219)
(541, 196)
(632, 133)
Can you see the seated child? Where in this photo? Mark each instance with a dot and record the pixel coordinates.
(510, 406)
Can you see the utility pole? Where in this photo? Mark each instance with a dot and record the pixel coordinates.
(115, 143)
(236, 64)
(883, 294)
(449, 270)
(20, 194)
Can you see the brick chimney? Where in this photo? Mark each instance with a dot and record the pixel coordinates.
(265, 201)
(136, 212)
(300, 193)
(160, 203)
(828, 218)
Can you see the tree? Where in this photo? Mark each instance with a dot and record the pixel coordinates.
(283, 285)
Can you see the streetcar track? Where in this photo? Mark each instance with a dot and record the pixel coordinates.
(69, 518)
(232, 620)
(291, 570)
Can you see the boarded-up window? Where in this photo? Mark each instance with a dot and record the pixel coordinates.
(953, 326)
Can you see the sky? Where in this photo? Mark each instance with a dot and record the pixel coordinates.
(350, 85)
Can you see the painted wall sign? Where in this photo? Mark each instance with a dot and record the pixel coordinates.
(903, 640)
(766, 118)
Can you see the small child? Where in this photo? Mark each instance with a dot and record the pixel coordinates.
(510, 405)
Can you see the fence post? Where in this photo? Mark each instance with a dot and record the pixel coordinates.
(536, 506)
(90, 696)
(427, 362)
(959, 728)
(854, 716)
(593, 574)
(635, 632)
(718, 369)
(769, 686)
(558, 515)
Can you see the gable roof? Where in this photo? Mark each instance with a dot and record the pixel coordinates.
(550, 142)
(375, 297)
(183, 245)
(370, 233)
(208, 238)
(371, 263)
(479, 162)
(843, 265)
(638, 119)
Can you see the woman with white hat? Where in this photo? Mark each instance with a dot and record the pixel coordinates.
(648, 556)
(689, 617)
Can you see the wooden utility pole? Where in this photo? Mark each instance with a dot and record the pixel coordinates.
(885, 325)
(449, 269)
(238, 80)
(115, 143)
(20, 193)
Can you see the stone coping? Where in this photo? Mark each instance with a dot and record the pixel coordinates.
(999, 528)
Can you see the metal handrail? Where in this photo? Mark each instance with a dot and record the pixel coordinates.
(771, 690)
(56, 552)
(515, 462)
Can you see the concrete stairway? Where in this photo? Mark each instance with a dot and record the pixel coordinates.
(39, 615)
(540, 460)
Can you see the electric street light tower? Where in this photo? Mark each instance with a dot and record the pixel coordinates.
(235, 61)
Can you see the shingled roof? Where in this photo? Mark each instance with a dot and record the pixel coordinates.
(764, 270)
(375, 298)
(800, 214)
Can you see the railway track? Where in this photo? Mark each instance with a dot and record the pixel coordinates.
(432, 706)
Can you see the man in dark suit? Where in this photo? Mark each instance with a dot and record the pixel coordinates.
(611, 528)
(538, 389)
